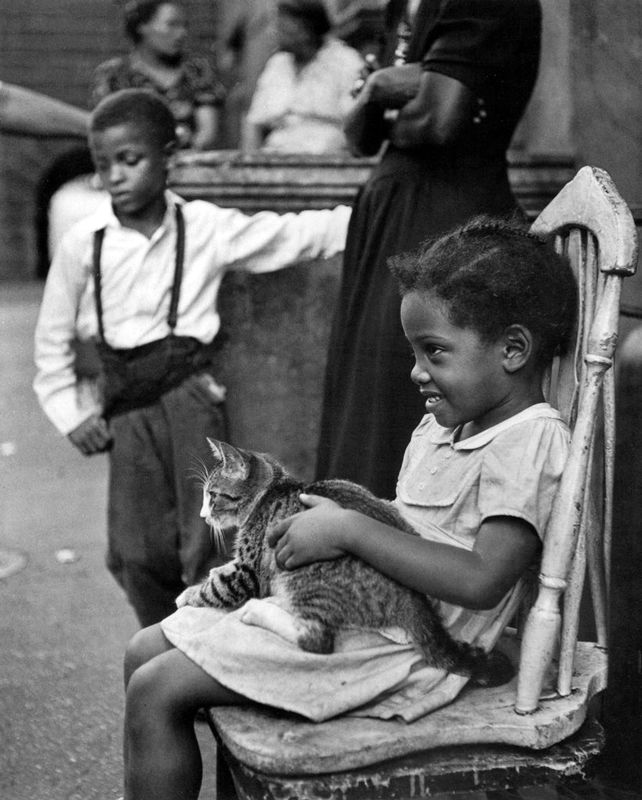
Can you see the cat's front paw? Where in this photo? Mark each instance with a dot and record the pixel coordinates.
(190, 597)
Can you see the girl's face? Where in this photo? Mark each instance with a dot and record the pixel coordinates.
(460, 375)
(132, 167)
(165, 33)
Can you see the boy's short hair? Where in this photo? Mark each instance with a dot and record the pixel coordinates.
(139, 107)
(491, 273)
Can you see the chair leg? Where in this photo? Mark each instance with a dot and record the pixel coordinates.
(225, 789)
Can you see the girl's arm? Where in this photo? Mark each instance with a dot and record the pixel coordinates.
(476, 579)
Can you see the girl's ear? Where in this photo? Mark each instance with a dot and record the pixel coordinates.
(518, 347)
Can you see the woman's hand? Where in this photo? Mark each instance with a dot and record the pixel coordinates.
(311, 535)
(393, 87)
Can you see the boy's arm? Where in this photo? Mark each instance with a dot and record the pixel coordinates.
(55, 381)
(268, 241)
(477, 579)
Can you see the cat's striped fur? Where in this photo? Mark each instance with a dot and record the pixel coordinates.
(252, 491)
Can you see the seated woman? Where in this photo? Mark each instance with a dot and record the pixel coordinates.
(303, 94)
(158, 62)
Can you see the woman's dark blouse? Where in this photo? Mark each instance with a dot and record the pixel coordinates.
(370, 406)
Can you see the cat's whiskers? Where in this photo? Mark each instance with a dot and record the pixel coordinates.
(216, 530)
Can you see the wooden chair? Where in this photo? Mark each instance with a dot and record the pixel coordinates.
(539, 725)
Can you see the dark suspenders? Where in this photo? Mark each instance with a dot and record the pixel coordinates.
(178, 274)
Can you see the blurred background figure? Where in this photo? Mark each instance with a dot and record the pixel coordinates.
(27, 113)
(303, 94)
(158, 61)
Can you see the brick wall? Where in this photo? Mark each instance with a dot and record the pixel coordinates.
(52, 46)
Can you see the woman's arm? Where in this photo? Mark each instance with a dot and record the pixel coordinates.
(252, 136)
(365, 125)
(433, 109)
(207, 124)
(442, 108)
(476, 579)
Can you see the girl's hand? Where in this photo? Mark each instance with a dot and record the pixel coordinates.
(91, 436)
(311, 535)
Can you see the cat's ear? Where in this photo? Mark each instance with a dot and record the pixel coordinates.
(233, 461)
(217, 451)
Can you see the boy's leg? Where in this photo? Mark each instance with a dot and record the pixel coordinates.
(162, 757)
(194, 414)
(142, 528)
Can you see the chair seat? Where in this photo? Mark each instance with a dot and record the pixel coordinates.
(279, 743)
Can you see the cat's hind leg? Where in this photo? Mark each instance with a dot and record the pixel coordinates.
(307, 634)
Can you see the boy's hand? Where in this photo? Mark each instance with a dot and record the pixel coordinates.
(311, 535)
(91, 436)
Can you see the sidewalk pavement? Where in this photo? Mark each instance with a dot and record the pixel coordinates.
(64, 622)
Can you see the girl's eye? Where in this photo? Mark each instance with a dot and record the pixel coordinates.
(131, 160)
(433, 350)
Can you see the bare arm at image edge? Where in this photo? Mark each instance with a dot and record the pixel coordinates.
(29, 113)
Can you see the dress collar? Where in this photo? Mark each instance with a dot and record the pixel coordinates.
(440, 435)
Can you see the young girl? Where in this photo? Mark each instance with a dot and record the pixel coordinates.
(485, 308)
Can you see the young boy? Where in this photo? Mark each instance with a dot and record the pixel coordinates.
(141, 276)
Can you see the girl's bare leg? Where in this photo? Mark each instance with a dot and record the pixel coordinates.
(144, 645)
(162, 757)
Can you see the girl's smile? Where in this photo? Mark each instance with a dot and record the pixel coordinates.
(460, 375)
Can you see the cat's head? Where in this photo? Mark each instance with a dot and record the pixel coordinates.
(233, 483)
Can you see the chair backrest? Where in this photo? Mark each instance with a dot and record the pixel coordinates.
(594, 227)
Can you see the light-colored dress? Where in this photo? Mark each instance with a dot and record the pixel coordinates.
(446, 489)
(303, 110)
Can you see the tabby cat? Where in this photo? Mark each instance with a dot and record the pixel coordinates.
(251, 491)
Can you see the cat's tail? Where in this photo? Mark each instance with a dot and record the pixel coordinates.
(484, 669)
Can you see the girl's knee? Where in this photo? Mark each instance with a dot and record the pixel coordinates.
(144, 645)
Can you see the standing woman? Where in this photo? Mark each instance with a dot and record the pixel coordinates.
(158, 61)
(448, 115)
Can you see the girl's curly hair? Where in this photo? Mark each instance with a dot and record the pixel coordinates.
(491, 273)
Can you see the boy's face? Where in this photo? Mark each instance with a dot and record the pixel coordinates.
(132, 167)
(459, 374)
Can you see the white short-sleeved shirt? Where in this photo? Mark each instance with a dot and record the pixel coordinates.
(448, 487)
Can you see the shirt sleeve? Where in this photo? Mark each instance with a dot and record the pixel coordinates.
(207, 88)
(521, 472)
(55, 384)
(473, 40)
(268, 241)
